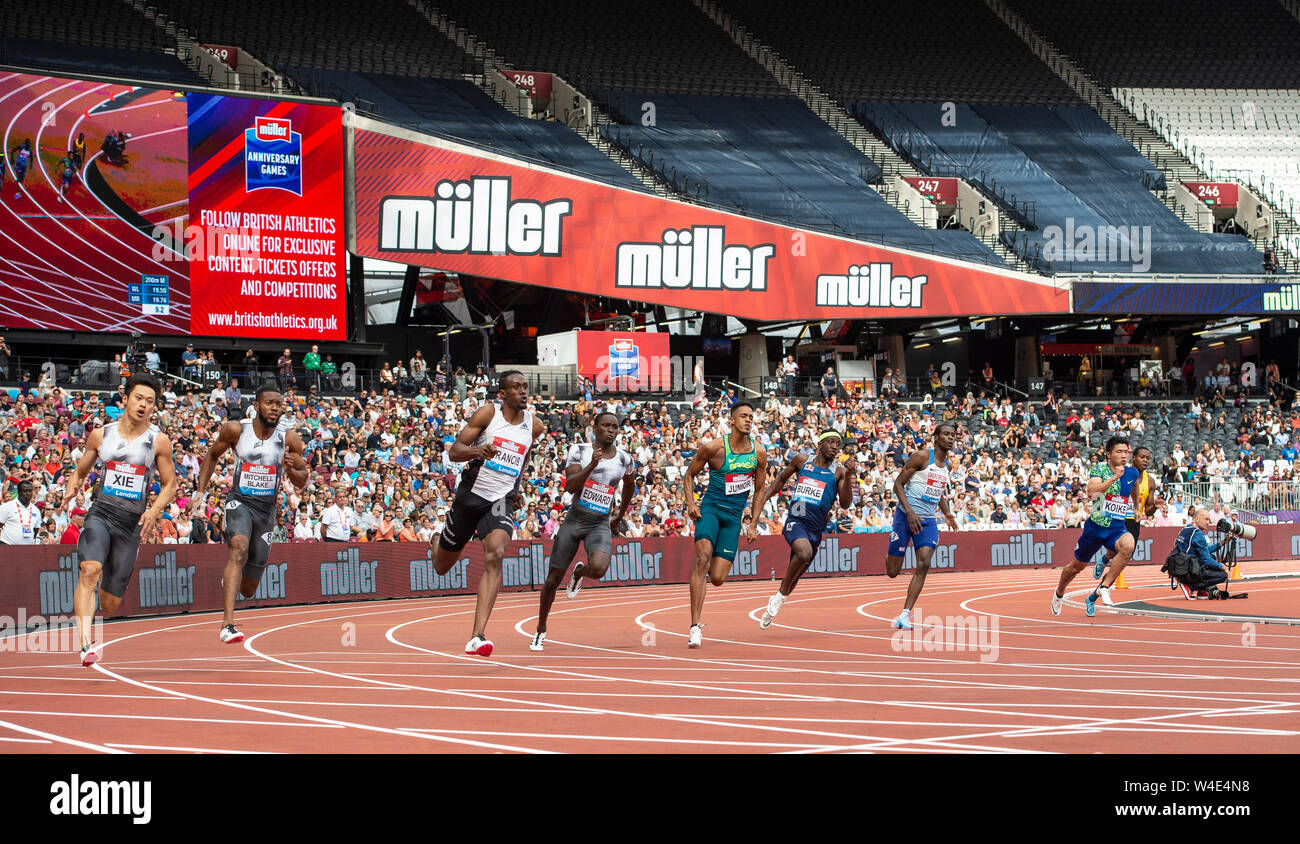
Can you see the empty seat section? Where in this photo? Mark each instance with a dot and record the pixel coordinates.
(461, 110)
(924, 51)
(1061, 184)
(668, 45)
(772, 158)
(1174, 43)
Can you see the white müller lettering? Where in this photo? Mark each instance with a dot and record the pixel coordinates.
(477, 217)
(870, 286)
(698, 257)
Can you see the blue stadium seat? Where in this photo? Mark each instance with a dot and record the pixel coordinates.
(775, 159)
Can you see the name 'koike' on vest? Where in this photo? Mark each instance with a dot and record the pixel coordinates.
(259, 463)
(128, 467)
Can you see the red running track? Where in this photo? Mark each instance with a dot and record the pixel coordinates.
(616, 677)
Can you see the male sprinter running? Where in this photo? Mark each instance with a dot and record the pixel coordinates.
(1112, 485)
(820, 479)
(734, 461)
(592, 470)
(131, 450)
(495, 443)
(264, 452)
(921, 488)
(1146, 501)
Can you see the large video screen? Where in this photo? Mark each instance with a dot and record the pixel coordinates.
(127, 208)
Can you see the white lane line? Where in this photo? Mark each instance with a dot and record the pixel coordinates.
(31, 731)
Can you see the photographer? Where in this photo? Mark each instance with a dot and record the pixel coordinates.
(1206, 573)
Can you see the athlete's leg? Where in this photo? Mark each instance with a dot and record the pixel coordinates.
(494, 551)
(552, 582)
(801, 554)
(719, 568)
(1124, 547)
(83, 598)
(562, 553)
(1068, 574)
(699, 582)
(444, 559)
(232, 577)
(917, 583)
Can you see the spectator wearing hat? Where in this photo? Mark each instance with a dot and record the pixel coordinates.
(72, 534)
(190, 362)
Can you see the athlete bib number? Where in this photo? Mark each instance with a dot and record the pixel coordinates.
(1117, 506)
(810, 490)
(256, 480)
(739, 484)
(124, 480)
(598, 498)
(934, 487)
(509, 459)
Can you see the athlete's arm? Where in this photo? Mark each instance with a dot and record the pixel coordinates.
(164, 461)
(576, 475)
(704, 455)
(947, 511)
(778, 484)
(227, 436)
(760, 471)
(84, 465)
(914, 464)
(462, 449)
(1096, 486)
(848, 474)
(629, 488)
(295, 465)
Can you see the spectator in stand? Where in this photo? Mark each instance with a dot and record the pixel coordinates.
(987, 375)
(420, 370)
(72, 534)
(830, 384)
(249, 367)
(1270, 261)
(480, 384)
(789, 371)
(329, 371)
(311, 363)
(190, 362)
(284, 368)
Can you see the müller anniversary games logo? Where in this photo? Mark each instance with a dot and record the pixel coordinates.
(272, 155)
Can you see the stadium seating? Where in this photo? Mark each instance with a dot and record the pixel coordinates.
(772, 158)
(389, 36)
(1055, 167)
(663, 46)
(1174, 43)
(459, 109)
(68, 60)
(1247, 134)
(933, 51)
(87, 36)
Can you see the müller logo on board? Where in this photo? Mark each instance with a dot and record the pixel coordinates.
(697, 257)
(477, 217)
(870, 286)
(272, 156)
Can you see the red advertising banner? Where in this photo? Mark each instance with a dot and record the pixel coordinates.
(940, 190)
(1216, 194)
(437, 204)
(227, 55)
(39, 580)
(266, 201)
(538, 85)
(625, 361)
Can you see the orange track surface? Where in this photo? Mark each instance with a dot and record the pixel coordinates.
(616, 677)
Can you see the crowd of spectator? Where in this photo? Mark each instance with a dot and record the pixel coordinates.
(384, 452)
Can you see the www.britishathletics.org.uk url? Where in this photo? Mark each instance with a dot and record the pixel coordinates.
(1176, 810)
(289, 321)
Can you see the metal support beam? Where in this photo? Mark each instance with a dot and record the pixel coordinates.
(407, 302)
